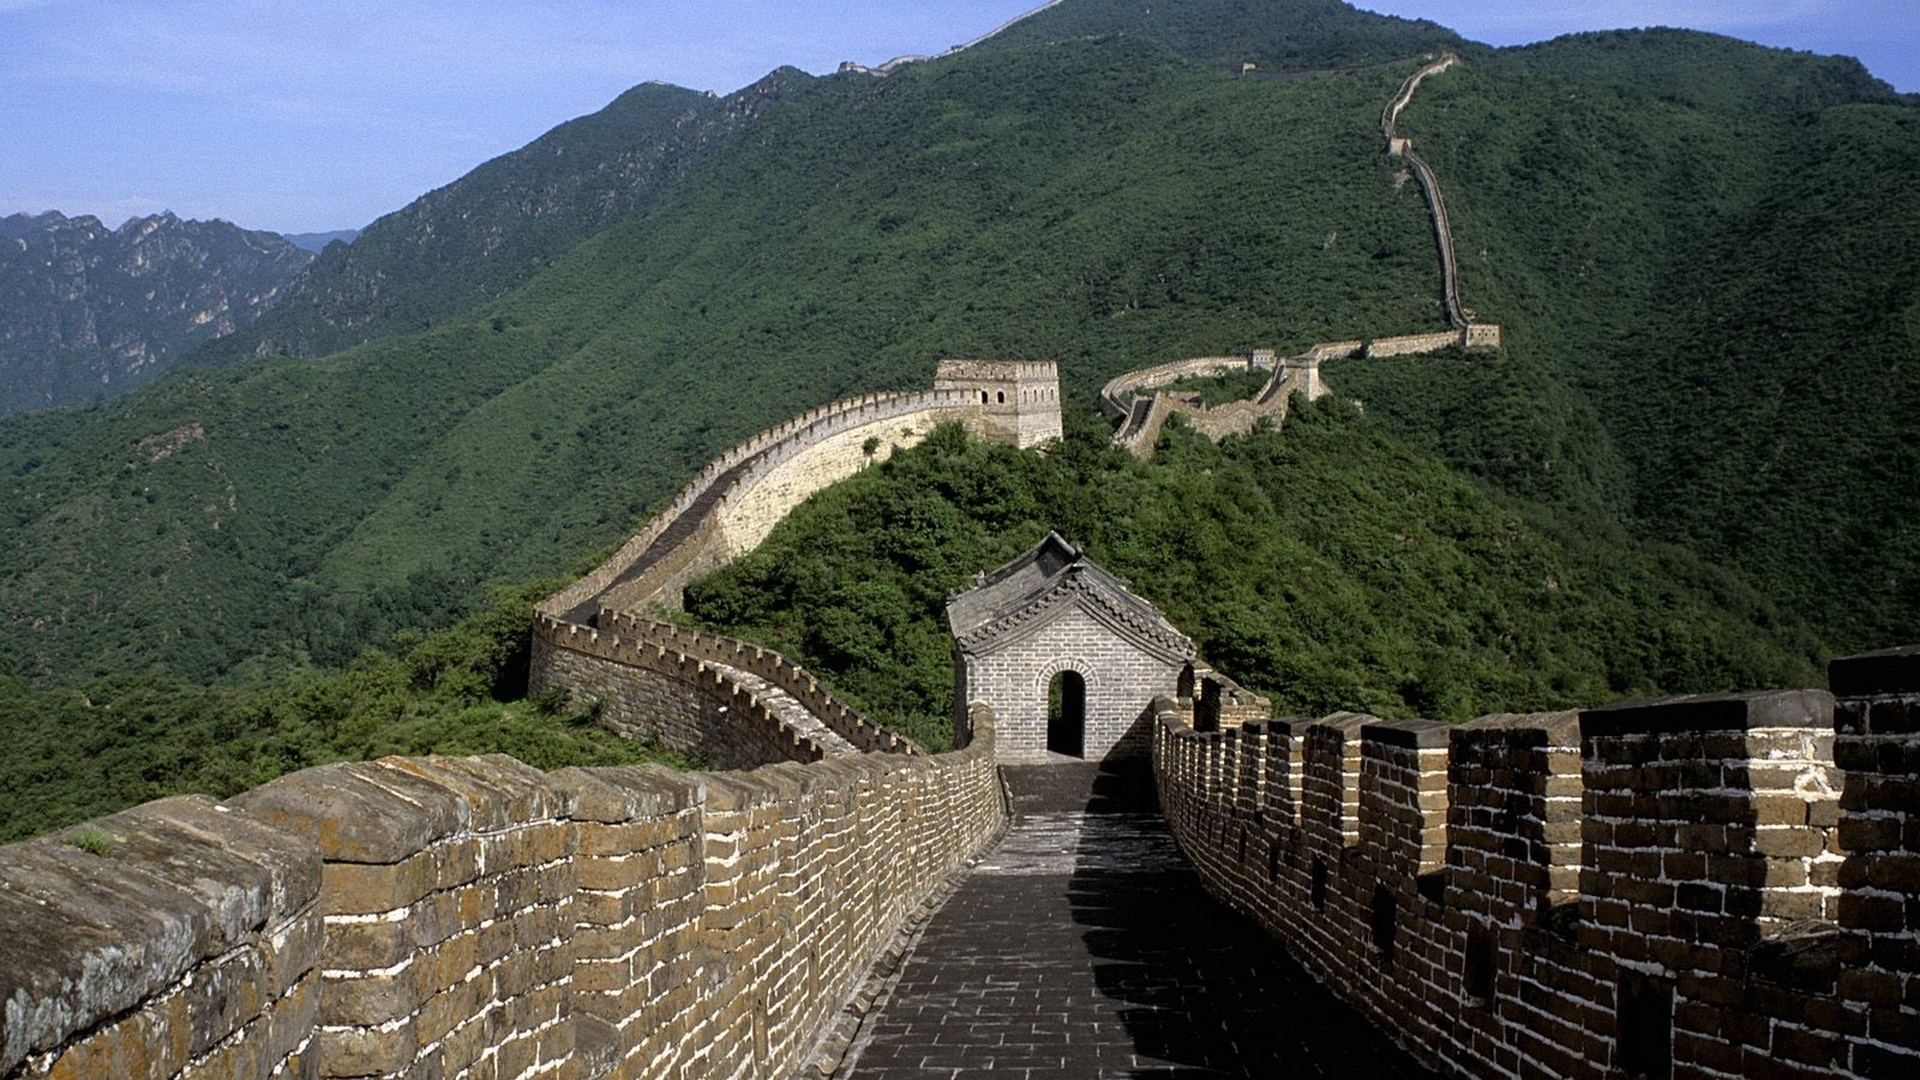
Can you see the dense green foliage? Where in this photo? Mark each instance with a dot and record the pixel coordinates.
(119, 741)
(1329, 566)
(1298, 34)
(1713, 307)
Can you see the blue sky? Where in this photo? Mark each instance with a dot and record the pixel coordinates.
(323, 114)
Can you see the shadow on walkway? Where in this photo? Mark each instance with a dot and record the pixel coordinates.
(1198, 986)
(1083, 948)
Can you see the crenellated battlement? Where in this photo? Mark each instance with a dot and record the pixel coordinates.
(1682, 887)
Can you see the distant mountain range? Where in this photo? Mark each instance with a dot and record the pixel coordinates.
(87, 311)
(317, 242)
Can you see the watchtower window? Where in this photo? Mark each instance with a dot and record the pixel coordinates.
(1067, 714)
(983, 398)
(1003, 397)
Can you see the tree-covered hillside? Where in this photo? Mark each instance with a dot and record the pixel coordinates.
(1695, 246)
(1714, 306)
(118, 741)
(1328, 565)
(1288, 36)
(499, 225)
(866, 229)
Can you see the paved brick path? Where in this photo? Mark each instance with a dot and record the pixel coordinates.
(1083, 948)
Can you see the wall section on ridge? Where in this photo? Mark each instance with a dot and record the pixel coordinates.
(642, 690)
(730, 507)
(728, 703)
(774, 486)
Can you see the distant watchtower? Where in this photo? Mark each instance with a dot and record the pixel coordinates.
(1019, 400)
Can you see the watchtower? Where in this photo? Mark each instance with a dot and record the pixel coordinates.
(1066, 657)
(1019, 400)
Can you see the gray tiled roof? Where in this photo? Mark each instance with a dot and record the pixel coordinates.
(1024, 595)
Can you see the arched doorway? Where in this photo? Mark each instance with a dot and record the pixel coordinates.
(1067, 714)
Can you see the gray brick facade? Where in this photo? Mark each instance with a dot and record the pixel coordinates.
(1052, 611)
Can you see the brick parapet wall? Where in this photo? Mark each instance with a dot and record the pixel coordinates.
(1146, 416)
(179, 939)
(727, 488)
(1117, 395)
(830, 450)
(1668, 888)
(781, 440)
(1402, 808)
(1414, 344)
(766, 664)
(1333, 350)
(1710, 828)
(1220, 704)
(1877, 744)
(646, 691)
(478, 918)
(1330, 783)
(1514, 816)
(447, 898)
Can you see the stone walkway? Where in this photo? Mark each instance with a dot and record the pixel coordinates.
(1083, 948)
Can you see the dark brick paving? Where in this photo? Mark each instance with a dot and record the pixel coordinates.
(1083, 947)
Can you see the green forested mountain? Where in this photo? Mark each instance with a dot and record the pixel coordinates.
(127, 739)
(501, 224)
(1297, 35)
(1716, 293)
(88, 311)
(1695, 246)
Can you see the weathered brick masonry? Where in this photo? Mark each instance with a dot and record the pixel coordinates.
(475, 917)
(729, 508)
(192, 949)
(1678, 888)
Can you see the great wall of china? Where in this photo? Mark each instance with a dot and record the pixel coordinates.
(1143, 415)
(1724, 886)
(1720, 886)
